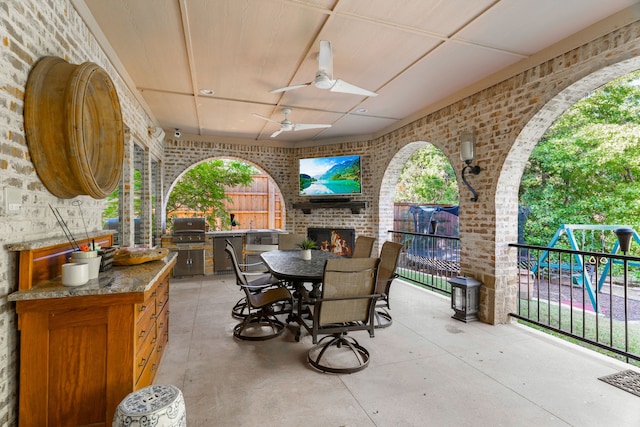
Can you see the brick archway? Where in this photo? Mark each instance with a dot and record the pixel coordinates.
(516, 159)
(388, 184)
(224, 157)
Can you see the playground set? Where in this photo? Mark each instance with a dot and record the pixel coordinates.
(584, 263)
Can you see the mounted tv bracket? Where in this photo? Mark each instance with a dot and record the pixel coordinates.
(307, 207)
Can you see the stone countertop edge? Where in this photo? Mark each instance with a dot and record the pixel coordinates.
(52, 241)
(118, 280)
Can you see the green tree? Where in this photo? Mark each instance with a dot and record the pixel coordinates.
(584, 169)
(202, 188)
(111, 210)
(427, 178)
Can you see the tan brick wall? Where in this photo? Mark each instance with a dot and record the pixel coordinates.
(508, 117)
(29, 30)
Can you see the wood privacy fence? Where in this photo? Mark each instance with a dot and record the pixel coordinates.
(257, 206)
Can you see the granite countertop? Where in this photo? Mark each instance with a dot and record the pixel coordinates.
(122, 279)
(43, 243)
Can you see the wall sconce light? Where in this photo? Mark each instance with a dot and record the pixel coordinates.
(467, 153)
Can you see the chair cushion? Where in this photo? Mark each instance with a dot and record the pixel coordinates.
(269, 296)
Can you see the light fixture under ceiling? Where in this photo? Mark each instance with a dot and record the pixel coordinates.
(467, 154)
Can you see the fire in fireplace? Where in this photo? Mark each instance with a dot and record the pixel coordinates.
(337, 240)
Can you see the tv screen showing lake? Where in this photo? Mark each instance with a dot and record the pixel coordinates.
(330, 176)
(331, 187)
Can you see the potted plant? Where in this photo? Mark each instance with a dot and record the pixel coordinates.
(305, 248)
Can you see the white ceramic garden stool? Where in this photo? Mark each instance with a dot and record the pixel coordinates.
(152, 406)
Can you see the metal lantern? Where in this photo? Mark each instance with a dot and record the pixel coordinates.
(465, 298)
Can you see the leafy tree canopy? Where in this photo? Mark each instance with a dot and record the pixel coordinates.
(584, 169)
(202, 188)
(427, 178)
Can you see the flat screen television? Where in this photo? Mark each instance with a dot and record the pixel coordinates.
(330, 176)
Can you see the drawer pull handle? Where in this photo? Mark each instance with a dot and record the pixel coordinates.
(143, 361)
(142, 334)
(142, 308)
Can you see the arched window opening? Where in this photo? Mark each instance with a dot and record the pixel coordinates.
(230, 194)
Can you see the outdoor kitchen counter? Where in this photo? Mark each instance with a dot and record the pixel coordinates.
(84, 349)
(118, 280)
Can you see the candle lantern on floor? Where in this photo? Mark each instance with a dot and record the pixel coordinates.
(465, 298)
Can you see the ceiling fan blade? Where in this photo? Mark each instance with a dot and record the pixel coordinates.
(325, 58)
(305, 126)
(344, 87)
(265, 118)
(284, 89)
(276, 133)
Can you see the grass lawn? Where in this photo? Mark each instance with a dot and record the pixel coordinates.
(584, 324)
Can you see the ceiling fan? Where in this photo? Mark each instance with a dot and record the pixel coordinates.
(286, 125)
(324, 76)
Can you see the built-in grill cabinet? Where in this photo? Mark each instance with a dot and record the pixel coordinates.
(221, 262)
(189, 238)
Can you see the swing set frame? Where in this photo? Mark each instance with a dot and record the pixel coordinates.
(584, 279)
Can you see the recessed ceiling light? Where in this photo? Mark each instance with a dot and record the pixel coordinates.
(361, 110)
(206, 92)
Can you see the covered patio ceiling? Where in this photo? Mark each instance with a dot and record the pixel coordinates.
(207, 66)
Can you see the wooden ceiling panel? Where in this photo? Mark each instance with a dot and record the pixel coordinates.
(417, 54)
(432, 16)
(242, 51)
(536, 27)
(148, 37)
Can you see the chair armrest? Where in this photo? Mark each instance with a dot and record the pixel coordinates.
(253, 264)
(254, 273)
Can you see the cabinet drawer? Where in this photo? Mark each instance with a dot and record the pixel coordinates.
(146, 350)
(144, 331)
(162, 298)
(145, 310)
(163, 328)
(149, 372)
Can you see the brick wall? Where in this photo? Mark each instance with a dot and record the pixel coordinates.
(508, 118)
(29, 30)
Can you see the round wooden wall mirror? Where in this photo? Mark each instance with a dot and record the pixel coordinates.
(74, 128)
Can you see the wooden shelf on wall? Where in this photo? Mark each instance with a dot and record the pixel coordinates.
(307, 207)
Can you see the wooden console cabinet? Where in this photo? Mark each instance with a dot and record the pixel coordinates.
(82, 350)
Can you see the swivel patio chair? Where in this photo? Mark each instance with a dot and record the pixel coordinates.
(258, 280)
(260, 322)
(363, 247)
(347, 304)
(389, 255)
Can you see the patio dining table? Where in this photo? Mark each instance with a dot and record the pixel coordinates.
(288, 266)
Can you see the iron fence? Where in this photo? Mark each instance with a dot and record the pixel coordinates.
(591, 297)
(428, 259)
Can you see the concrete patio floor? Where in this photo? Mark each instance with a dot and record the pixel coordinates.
(427, 369)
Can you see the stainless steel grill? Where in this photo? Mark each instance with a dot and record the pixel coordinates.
(188, 230)
(189, 237)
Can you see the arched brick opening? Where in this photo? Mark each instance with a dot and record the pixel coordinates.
(388, 185)
(225, 157)
(507, 188)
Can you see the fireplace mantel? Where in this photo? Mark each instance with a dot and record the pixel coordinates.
(307, 207)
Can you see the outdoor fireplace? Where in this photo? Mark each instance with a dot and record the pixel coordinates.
(337, 240)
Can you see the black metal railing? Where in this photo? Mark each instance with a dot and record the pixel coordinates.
(428, 259)
(591, 297)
